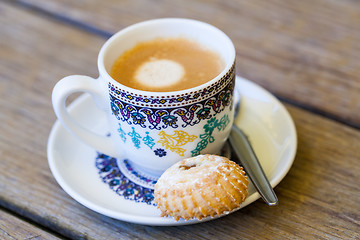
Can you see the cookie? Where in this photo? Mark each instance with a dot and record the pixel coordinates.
(202, 186)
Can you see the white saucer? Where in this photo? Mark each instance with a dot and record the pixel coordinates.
(262, 117)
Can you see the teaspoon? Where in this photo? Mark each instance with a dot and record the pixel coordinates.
(248, 159)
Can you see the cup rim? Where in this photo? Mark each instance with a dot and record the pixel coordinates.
(104, 73)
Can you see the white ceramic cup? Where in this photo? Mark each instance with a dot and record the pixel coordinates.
(154, 130)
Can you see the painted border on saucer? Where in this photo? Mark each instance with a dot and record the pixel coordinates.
(264, 119)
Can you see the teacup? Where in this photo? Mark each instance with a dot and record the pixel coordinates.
(154, 130)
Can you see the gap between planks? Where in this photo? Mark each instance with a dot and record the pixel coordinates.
(32, 223)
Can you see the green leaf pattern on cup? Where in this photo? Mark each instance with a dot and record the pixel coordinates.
(209, 128)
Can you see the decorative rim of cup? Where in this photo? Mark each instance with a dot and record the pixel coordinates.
(163, 95)
(178, 99)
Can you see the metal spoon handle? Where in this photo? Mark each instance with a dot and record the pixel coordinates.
(250, 162)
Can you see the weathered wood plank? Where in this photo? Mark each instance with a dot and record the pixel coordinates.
(304, 51)
(12, 227)
(318, 198)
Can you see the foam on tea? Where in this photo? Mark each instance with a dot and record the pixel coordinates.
(159, 73)
(166, 64)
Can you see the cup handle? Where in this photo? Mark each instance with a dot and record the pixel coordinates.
(61, 91)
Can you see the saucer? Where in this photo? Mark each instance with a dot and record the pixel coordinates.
(95, 180)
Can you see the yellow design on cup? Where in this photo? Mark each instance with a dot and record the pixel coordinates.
(175, 141)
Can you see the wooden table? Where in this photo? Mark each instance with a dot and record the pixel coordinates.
(307, 53)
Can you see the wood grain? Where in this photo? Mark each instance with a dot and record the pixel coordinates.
(319, 198)
(13, 228)
(303, 51)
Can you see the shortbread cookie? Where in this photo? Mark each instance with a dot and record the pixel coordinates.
(201, 186)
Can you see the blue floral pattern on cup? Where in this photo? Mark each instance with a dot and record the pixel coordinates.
(160, 152)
